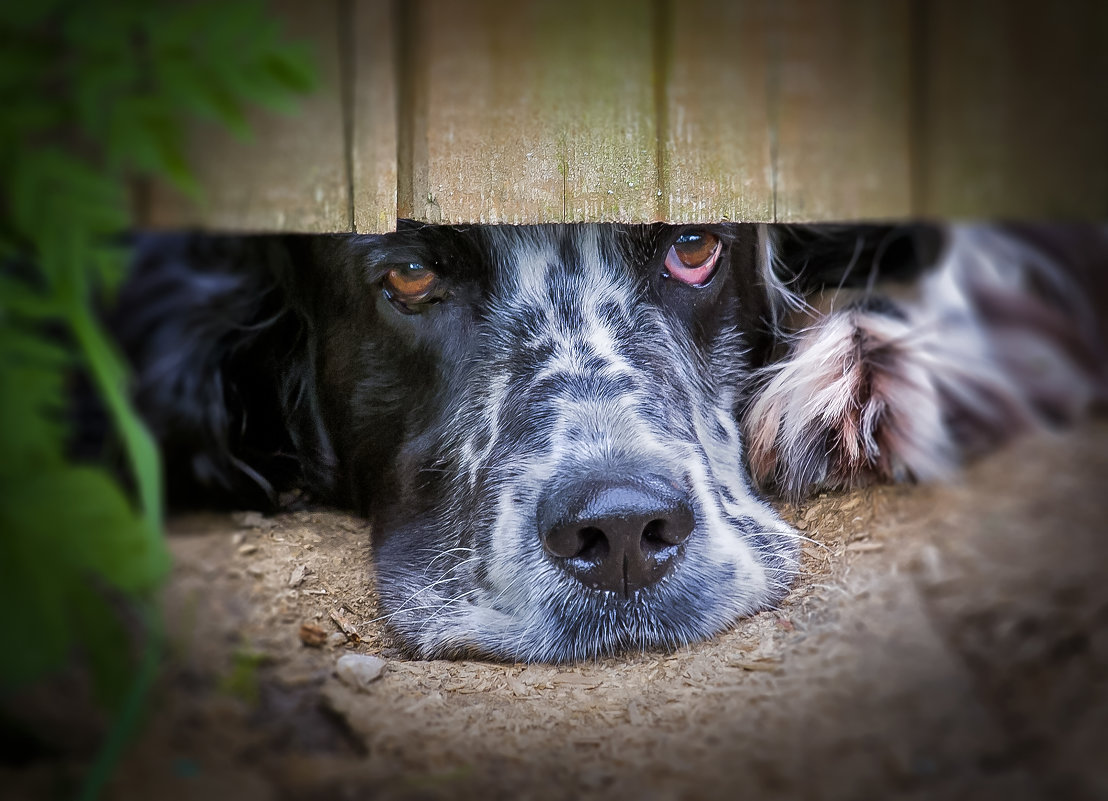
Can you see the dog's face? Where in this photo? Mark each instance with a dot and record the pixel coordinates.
(542, 423)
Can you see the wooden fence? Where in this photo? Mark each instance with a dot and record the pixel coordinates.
(680, 110)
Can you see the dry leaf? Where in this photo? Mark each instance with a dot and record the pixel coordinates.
(312, 635)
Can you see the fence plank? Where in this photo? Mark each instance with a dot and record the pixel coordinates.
(373, 97)
(841, 103)
(717, 135)
(1016, 99)
(291, 174)
(602, 60)
(539, 111)
(484, 143)
(536, 111)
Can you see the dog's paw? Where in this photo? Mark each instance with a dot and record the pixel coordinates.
(855, 402)
(998, 339)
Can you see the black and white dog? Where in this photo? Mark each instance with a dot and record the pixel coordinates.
(561, 433)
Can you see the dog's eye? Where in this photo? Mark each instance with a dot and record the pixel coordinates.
(411, 286)
(693, 257)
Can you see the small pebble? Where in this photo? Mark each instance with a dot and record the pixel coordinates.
(358, 671)
(298, 574)
(247, 549)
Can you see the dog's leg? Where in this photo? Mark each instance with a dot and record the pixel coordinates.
(996, 340)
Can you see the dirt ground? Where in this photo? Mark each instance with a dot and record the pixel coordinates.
(943, 642)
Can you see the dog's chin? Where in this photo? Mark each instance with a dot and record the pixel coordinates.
(440, 610)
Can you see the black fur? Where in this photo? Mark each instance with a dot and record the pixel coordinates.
(276, 362)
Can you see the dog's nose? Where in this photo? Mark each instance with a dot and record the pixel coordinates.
(617, 536)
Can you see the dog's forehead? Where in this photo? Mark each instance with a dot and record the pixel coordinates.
(547, 253)
(503, 258)
(543, 264)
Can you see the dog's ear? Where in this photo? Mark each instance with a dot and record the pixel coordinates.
(808, 258)
(218, 334)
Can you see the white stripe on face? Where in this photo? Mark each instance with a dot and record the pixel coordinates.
(606, 413)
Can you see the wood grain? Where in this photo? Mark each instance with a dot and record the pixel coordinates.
(796, 110)
(600, 56)
(717, 133)
(840, 106)
(1015, 99)
(291, 174)
(373, 157)
(484, 141)
(532, 112)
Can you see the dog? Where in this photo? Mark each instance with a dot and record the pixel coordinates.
(565, 436)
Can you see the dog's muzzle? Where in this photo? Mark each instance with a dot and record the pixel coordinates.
(616, 535)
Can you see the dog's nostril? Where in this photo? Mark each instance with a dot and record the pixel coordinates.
(661, 533)
(594, 545)
(588, 543)
(616, 536)
(571, 542)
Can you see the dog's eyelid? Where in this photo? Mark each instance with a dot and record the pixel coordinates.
(411, 286)
(411, 280)
(693, 257)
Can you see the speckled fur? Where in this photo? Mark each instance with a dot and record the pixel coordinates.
(566, 353)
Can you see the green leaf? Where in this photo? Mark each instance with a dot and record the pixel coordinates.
(105, 643)
(147, 136)
(51, 190)
(25, 16)
(33, 602)
(20, 300)
(108, 264)
(198, 91)
(109, 374)
(75, 529)
(31, 404)
(86, 526)
(92, 92)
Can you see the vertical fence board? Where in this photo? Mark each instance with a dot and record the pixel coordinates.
(717, 137)
(373, 97)
(602, 59)
(484, 144)
(798, 110)
(290, 175)
(535, 111)
(1015, 96)
(842, 109)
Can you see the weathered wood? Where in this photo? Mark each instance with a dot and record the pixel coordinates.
(291, 174)
(1015, 96)
(373, 142)
(531, 112)
(840, 103)
(484, 147)
(792, 110)
(715, 59)
(600, 56)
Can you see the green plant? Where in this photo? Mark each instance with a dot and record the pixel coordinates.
(92, 95)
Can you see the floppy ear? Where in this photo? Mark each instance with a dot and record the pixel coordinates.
(223, 356)
(808, 258)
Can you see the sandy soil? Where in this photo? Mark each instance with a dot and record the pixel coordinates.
(943, 642)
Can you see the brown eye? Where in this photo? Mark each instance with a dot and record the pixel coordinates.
(411, 285)
(693, 257)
